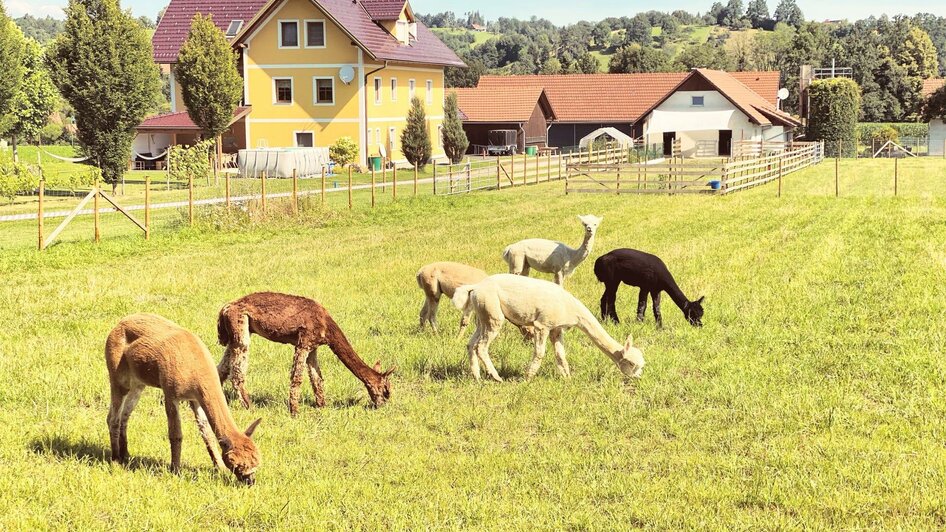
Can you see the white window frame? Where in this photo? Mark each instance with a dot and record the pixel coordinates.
(239, 27)
(377, 136)
(393, 89)
(315, 90)
(292, 91)
(430, 92)
(411, 89)
(279, 35)
(702, 101)
(377, 90)
(295, 138)
(392, 141)
(305, 24)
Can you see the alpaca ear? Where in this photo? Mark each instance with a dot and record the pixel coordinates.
(390, 370)
(377, 366)
(252, 428)
(700, 300)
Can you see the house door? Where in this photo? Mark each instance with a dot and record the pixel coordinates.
(725, 143)
(669, 137)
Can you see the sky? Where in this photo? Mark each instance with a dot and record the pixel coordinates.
(563, 11)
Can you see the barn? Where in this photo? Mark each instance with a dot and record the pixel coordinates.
(937, 142)
(528, 112)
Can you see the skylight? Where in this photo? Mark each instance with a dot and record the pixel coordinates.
(234, 28)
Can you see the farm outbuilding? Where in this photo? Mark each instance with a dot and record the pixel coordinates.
(527, 111)
(937, 141)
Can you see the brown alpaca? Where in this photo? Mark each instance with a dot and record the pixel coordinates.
(297, 321)
(147, 350)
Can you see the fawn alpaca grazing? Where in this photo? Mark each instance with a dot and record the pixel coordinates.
(548, 256)
(147, 350)
(443, 278)
(650, 274)
(298, 321)
(548, 310)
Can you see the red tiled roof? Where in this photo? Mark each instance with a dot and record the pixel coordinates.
(932, 85)
(384, 9)
(182, 121)
(500, 104)
(176, 22)
(617, 97)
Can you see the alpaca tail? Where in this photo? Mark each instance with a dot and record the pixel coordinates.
(224, 327)
(462, 299)
(602, 267)
(507, 253)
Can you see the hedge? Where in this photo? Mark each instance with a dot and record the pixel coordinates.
(868, 131)
(835, 105)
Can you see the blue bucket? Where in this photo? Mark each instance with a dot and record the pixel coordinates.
(715, 184)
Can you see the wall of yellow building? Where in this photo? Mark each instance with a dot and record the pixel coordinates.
(392, 110)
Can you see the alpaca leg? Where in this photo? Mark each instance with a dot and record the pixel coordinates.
(295, 378)
(114, 423)
(526, 269)
(464, 321)
(538, 341)
(432, 306)
(641, 304)
(131, 401)
(560, 278)
(239, 364)
(207, 434)
(315, 377)
(490, 333)
(608, 300)
(471, 348)
(558, 342)
(656, 297)
(516, 263)
(423, 313)
(175, 434)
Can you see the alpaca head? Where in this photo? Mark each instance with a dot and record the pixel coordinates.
(694, 312)
(380, 391)
(591, 223)
(630, 359)
(241, 456)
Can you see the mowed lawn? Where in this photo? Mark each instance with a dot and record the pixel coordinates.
(814, 397)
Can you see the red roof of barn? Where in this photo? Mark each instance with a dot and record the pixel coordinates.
(503, 104)
(182, 121)
(932, 85)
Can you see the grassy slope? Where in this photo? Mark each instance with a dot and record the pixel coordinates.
(688, 35)
(814, 395)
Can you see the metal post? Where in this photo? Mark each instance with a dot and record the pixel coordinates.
(95, 210)
(837, 178)
(295, 192)
(350, 204)
(226, 179)
(263, 190)
(147, 207)
(435, 178)
(499, 183)
(512, 161)
(415, 179)
(372, 186)
(537, 158)
(896, 175)
(323, 185)
(39, 214)
(394, 184)
(190, 199)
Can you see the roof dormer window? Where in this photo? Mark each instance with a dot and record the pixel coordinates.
(403, 32)
(235, 27)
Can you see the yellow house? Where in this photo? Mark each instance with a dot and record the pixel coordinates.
(314, 71)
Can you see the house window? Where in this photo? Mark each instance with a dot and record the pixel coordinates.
(697, 101)
(393, 89)
(403, 31)
(288, 33)
(392, 141)
(377, 91)
(305, 139)
(324, 91)
(315, 34)
(282, 90)
(411, 86)
(377, 136)
(430, 91)
(234, 28)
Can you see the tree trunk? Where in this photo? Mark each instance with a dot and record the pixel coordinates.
(16, 151)
(219, 158)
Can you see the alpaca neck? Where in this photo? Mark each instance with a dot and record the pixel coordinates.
(593, 329)
(214, 404)
(676, 294)
(339, 345)
(585, 249)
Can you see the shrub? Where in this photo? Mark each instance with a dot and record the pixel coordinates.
(834, 109)
(190, 161)
(344, 151)
(415, 139)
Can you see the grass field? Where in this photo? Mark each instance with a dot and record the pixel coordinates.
(813, 397)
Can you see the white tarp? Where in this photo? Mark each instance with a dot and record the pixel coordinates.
(280, 162)
(682, 121)
(622, 139)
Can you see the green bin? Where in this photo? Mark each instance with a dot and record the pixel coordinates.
(375, 163)
(531, 150)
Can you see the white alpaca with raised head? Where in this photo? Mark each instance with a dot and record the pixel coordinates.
(549, 256)
(548, 310)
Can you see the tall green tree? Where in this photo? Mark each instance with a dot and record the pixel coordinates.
(835, 109)
(638, 31)
(36, 99)
(635, 58)
(789, 13)
(706, 55)
(415, 139)
(11, 65)
(455, 141)
(918, 55)
(734, 13)
(758, 13)
(102, 64)
(210, 83)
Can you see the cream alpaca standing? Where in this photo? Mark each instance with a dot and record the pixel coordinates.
(147, 350)
(548, 256)
(443, 278)
(546, 308)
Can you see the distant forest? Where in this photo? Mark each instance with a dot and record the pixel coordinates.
(890, 57)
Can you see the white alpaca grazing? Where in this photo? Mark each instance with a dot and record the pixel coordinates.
(548, 256)
(548, 310)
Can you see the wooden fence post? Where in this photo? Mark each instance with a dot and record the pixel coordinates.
(896, 175)
(323, 185)
(415, 179)
(548, 169)
(780, 177)
(372, 186)
(450, 177)
(394, 184)
(263, 190)
(512, 161)
(350, 204)
(435, 178)
(226, 184)
(537, 159)
(295, 192)
(95, 210)
(148, 207)
(499, 183)
(39, 214)
(190, 199)
(384, 178)
(837, 178)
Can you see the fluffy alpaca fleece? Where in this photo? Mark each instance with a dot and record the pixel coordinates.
(443, 278)
(548, 310)
(147, 350)
(297, 321)
(548, 256)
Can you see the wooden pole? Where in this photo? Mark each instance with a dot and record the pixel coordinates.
(226, 179)
(394, 183)
(896, 175)
(537, 158)
(39, 214)
(499, 182)
(147, 207)
(525, 169)
(450, 176)
(837, 178)
(372, 187)
(548, 170)
(780, 177)
(435, 179)
(323, 185)
(415, 179)
(384, 178)
(263, 195)
(95, 210)
(512, 161)
(190, 200)
(350, 204)
(560, 160)
(295, 192)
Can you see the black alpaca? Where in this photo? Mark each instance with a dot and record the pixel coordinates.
(650, 274)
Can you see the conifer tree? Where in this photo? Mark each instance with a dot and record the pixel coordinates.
(415, 139)
(455, 141)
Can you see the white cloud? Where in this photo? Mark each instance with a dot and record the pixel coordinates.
(18, 8)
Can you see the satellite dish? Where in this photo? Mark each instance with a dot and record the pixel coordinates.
(782, 94)
(346, 74)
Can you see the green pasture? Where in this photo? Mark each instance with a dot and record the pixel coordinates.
(814, 396)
